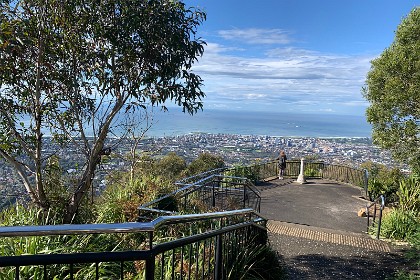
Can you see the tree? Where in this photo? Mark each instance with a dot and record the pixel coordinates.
(393, 90)
(73, 69)
(205, 162)
(172, 166)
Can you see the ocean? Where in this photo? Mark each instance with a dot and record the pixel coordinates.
(174, 122)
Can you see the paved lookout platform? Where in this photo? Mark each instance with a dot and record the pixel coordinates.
(316, 231)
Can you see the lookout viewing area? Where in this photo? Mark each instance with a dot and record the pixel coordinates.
(212, 221)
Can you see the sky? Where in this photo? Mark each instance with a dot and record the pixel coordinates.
(308, 56)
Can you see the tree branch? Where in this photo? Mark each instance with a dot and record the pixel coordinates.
(19, 167)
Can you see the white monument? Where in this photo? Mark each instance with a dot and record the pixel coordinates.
(301, 177)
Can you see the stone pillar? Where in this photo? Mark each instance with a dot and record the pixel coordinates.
(301, 178)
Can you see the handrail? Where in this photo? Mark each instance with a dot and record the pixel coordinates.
(208, 252)
(132, 227)
(185, 187)
(189, 188)
(188, 179)
(380, 199)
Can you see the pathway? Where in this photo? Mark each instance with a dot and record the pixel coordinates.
(316, 231)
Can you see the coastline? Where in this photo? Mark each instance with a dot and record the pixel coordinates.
(274, 124)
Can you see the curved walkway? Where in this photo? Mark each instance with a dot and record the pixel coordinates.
(316, 231)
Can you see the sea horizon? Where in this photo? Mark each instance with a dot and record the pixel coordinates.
(215, 121)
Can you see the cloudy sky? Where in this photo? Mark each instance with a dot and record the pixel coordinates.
(307, 56)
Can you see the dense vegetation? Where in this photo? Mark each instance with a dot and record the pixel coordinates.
(392, 88)
(82, 71)
(402, 221)
(152, 178)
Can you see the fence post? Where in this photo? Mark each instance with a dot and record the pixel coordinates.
(379, 223)
(380, 215)
(218, 270)
(213, 198)
(244, 196)
(150, 268)
(366, 181)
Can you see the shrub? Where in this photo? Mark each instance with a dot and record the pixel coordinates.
(409, 195)
(259, 262)
(382, 180)
(205, 162)
(312, 172)
(251, 172)
(400, 225)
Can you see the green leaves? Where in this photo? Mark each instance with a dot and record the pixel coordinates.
(69, 66)
(393, 90)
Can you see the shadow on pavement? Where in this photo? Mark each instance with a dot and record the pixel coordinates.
(333, 267)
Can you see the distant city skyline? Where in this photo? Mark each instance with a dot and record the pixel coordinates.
(302, 56)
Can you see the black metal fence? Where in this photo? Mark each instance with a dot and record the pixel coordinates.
(209, 192)
(373, 211)
(197, 246)
(188, 246)
(312, 170)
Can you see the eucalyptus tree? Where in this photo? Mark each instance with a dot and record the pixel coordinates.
(393, 90)
(73, 69)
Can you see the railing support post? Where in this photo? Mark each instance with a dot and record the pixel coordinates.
(379, 224)
(150, 268)
(380, 215)
(368, 217)
(366, 183)
(218, 270)
(213, 197)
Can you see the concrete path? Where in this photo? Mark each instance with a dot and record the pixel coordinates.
(316, 231)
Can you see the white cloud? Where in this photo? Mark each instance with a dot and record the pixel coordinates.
(289, 76)
(257, 36)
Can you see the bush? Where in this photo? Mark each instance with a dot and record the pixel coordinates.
(119, 202)
(382, 181)
(312, 172)
(19, 215)
(409, 195)
(400, 225)
(260, 262)
(251, 172)
(205, 162)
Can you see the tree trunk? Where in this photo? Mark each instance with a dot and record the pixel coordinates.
(94, 159)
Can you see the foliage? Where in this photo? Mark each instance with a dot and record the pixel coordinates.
(15, 246)
(312, 172)
(252, 172)
(58, 188)
(205, 162)
(70, 66)
(119, 201)
(153, 178)
(400, 225)
(403, 275)
(382, 180)
(171, 166)
(392, 88)
(259, 262)
(409, 195)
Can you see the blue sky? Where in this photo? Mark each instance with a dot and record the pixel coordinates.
(308, 56)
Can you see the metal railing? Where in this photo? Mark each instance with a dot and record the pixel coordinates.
(312, 170)
(211, 192)
(191, 246)
(175, 247)
(375, 204)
